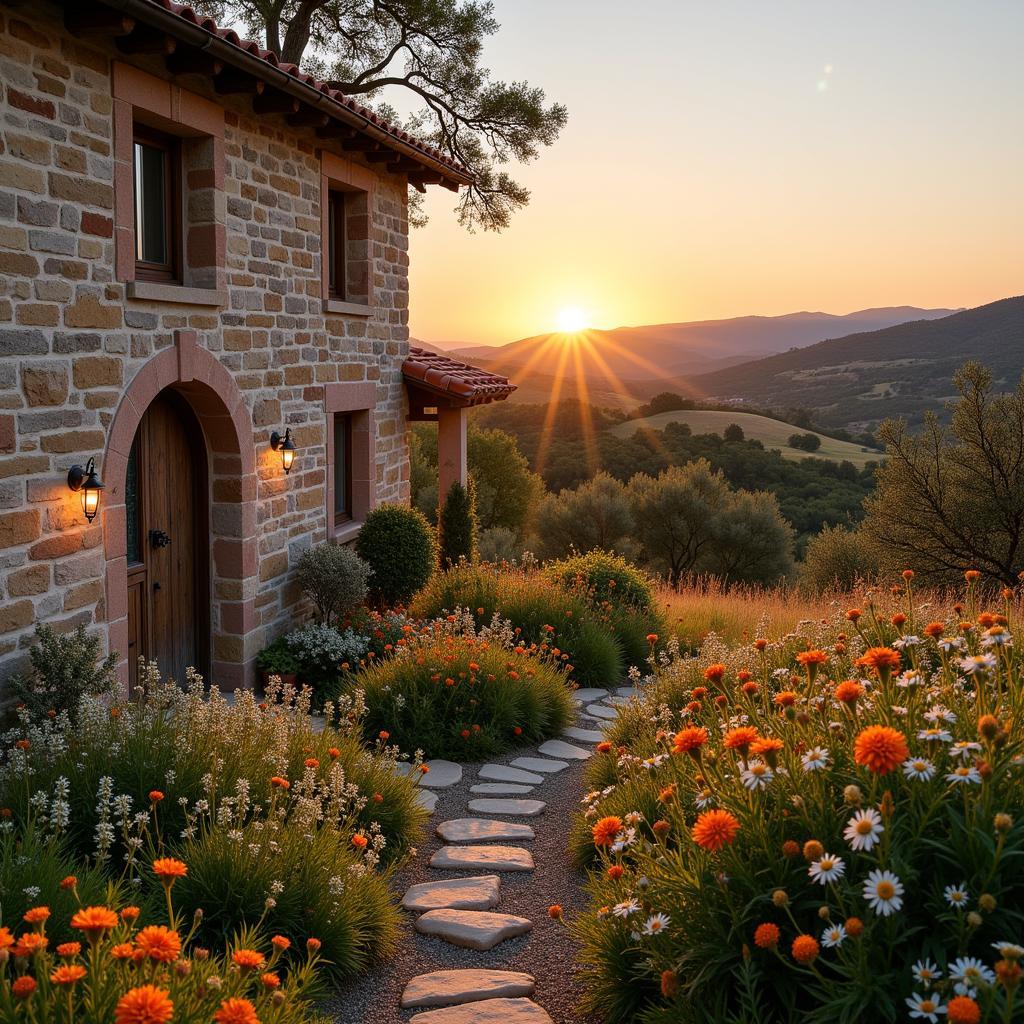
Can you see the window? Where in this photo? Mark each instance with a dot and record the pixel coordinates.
(342, 467)
(337, 256)
(156, 162)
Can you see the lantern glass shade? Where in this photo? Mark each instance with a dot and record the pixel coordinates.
(86, 481)
(90, 502)
(287, 458)
(286, 446)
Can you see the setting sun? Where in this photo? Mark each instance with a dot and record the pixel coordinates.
(571, 320)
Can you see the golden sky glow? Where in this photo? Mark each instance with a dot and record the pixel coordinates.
(743, 157)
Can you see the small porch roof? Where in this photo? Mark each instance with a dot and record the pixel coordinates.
(434, 380)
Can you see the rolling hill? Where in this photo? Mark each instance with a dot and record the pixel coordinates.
(771, 433)
(858, 380)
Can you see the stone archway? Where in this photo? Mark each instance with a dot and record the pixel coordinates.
(217, 402)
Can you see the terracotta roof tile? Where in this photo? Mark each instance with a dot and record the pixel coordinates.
(466, 384)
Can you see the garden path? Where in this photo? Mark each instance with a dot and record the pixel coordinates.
(479, 946)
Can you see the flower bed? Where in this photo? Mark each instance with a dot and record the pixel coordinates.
(821, 829)
(453, 690)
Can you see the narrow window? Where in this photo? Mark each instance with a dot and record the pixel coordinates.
(131, 505)
(157, 204)
(337, 240)
(342, 467)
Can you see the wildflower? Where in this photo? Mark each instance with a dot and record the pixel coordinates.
(854, 927)
(714, 673)
(625, 908)
(756, 775)
(925, 1007)
(615, 872)
(805, 949)
(883, 660)
(833, 936)
(605, 831)
(1008, 972)
(766, 935)
(279, 942)
(780, 899)
(785, 699)
(883, 891)
(690, 740)
(603, 747)
(826, 869)
(880, 749)
(311, 762)
(69, 882)
(714, 829)
(236, 1011)
(863, 830)
(669, 984)
(122, 951)
(848, 692)
(278, 783)
(555, 912)
(155, 796)
(652, 638)
(975, 663)
(815, 760)
(31, 943)
(69, 949)
(661, 828)
(656, 923)
(68, 974)
(36, 915)
(963, 1010)
(94, 921)
(359, 841)
(964, 775)
(1009, 950)
(919, 768)
(169, 869)
(333, 753)
(158, 943)
(790, 849)
(313, 945)
(146, 1004)
(813, 850)
(23, 987)
(967, 973)
(956, 895)
(925, 973)
(270, 981)
(964, 748)
(129, 914)
(936, 734)
(248, 959)
(768, 748)
(740, 739)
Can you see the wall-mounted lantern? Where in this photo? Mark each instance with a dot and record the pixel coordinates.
(86, 481)
(286, 446)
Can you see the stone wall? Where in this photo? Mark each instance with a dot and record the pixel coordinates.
(72, 340)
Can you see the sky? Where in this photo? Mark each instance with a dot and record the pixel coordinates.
(733, 157)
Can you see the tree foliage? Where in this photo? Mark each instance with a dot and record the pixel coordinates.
(595, 515)
(951, 499)
(457, 526)
(838, 558)
(429, 52)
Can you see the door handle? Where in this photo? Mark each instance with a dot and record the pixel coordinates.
(158, 539)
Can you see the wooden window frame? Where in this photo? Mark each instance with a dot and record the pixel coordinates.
(345, 515)
(357, 401)
(171, 271)
(337, 246)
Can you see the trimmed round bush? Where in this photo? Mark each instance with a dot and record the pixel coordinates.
(334, 578)
(465, 695)
(606, 577)
(398, 543)
(542, 611)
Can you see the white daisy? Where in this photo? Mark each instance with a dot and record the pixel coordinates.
(1008, 950)
(919, 768)
(956, 895)
(704, 799)
(826, 869)
(937, 713)
(656, 923)
(967, 973)
(964, 748)
(936, 734)
(964, 775)
(912, 677)
(883, 891)
(950, 643)
(925, 973)
(815, 759)
(996, 637)
(906, 641)
(925, 1007)
(863, 830)
(977, 663)
(756, 775)
(625, 908)
(834, 935)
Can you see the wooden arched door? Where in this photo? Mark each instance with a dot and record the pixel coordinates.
(166, 503)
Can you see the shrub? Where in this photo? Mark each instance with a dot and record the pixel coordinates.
(324, 652)
(456, 691)
(398, 543)
(334, 578)
(804, 442)
(543, 612)
(595, 515)
(795, 822)
(838, 558)
(277, 659)
(499, 544)
(457, 526)
(65, 666)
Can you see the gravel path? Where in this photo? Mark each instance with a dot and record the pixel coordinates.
(548, 952)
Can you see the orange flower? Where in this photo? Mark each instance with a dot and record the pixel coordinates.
(882, 659)
(146, 1004)
(555, 912)
(785, 698)
(740, 739)
(714, 673)
(23, 987)
(805, 949)
(769, 748)
(94, 921)
(333, 753)
(270, 981)
(31, 943)
(603, 747)
(854, 927)
(129, 914)
(849, 692)
(359, 841)
(69, 949)
(68, 974)
(934, 629)
(652, 638)
(158, 943)
(280, 942)
(669, 984)
(68, 883)
(37, 915)
(963, 1010)
(168, 869)
(880, 749)
(313, 945)
(155, 796)
(236, 1011)
(808, 658)
(312, 762)
(123, 951)
(6, 938)
(605, 831)
(766, 936)
(615, 872)
(278, 783)
(661, 828)
(790, 848)
(248, 959)
(715, 829)
(690, 740)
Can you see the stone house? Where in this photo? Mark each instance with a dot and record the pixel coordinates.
(203, 279)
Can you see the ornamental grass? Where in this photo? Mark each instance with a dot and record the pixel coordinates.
(821, 828)
(456, 690)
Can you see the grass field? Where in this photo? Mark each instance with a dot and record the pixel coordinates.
(771, 433)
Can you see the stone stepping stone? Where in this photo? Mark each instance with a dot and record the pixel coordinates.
(628, 691)
(583, 735)
(539, 764)
(482, 858)
(426, 799)
(475, 830)
(589, 694)
(559, 748)
(441, 775)
(500, 788)
(517, 808)
(472, 929)
(476, 892)
(444, 988)
(502, 773)
(490, 1011)
(602, 711)
(617, 702)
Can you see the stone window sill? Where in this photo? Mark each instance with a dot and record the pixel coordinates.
(153, 291)
(346, 532)
(347, 308)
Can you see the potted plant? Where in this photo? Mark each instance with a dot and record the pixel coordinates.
(278, 660)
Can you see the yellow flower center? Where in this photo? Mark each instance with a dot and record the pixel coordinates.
(864, 827)
(927, 1006)
(885, 890)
